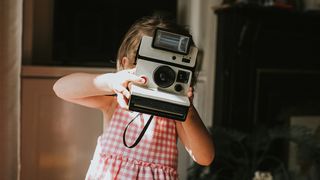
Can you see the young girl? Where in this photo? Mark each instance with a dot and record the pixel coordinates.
(155, 157)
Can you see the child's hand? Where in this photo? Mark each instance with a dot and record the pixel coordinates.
(190, 94)
(121, 82)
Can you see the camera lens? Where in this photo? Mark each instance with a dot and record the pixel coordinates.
(164, 76)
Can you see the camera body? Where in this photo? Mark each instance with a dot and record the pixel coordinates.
(167, 60)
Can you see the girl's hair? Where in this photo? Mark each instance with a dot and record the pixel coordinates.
(144, 26)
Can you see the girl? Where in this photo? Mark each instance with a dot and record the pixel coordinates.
(155, 157)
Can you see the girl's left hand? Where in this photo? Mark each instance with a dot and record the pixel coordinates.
(190, 94)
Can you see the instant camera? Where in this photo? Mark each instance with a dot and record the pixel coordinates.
(168, 61)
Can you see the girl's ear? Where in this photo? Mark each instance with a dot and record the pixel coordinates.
(125, 63)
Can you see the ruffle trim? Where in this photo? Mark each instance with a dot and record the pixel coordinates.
(166, 169)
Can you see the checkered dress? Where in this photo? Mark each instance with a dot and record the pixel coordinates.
(155, 157)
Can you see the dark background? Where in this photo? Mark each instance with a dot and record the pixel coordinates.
(88, 33)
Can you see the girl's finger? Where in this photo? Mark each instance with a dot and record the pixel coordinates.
(126, 93)
(134, 78)
(122, 90)
(190, 92)
(122, 101)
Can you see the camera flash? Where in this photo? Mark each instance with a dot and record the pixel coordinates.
(170, 41)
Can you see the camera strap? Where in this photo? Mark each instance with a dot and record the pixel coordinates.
(141, 133)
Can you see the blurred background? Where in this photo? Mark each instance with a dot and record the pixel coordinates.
(257, 90)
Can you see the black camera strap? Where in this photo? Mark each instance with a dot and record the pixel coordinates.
(141, 133)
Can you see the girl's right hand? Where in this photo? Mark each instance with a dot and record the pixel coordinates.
(119, 83)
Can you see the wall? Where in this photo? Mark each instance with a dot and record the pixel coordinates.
(199, 16)
(10, 64)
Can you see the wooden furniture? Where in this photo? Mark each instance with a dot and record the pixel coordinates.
(267, 66)
(268, 77)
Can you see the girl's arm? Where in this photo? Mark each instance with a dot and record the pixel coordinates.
(196, 138)
(80, 88)
(91, 89)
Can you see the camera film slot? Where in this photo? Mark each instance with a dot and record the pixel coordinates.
(158, 108)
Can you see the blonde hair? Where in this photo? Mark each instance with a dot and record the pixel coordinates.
(144, 26)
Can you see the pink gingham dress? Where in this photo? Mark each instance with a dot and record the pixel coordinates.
(155, 157)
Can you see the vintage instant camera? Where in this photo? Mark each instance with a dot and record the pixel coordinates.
(167, 60)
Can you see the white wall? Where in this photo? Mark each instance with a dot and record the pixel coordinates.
(199, 16)
(202, 22)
